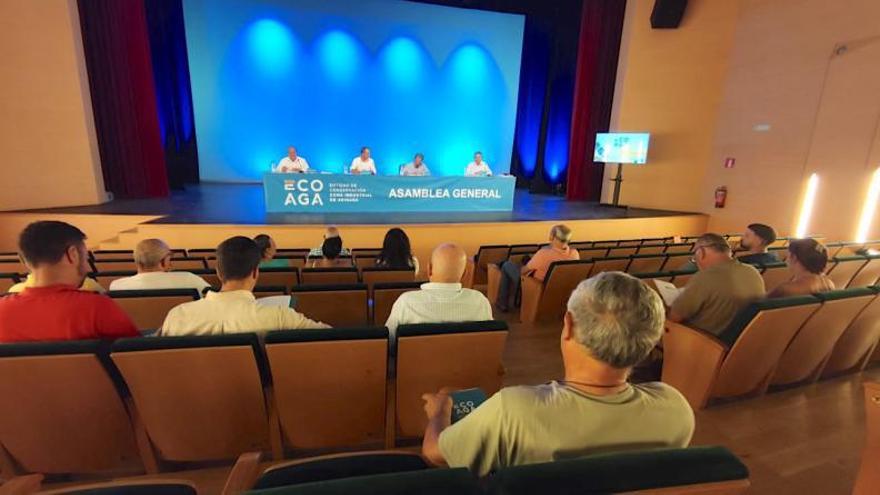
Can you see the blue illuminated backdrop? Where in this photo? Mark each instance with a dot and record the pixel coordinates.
(330, 76)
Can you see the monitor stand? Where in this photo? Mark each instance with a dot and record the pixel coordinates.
(617, 180)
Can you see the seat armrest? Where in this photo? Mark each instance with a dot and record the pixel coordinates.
(532, 289)
(244, 474)
(493, 282)
(691, 361)
(22, 485)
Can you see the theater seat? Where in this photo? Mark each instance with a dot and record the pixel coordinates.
(7, 280)
(655, 249)
(774, 275)
(209, 276)
(279, 276)
(609, 264)
(843, 268)
(436, 355)
(384, 297)
(344, 405)
(148, 308)
(61, 411)
(130, 487)
(186, 264)
(695, 470)
(545, 301)
(336, 305)
(104, 279)
(371, 276)
(486, 255)
(589, 253)
(115, 265)
(199, 398)
(622, 251)
(113, 254)
(247, 475)
(645, 263)
(328, 276)
(811, 346)
(868, 478)
(742, 359)
(676, 261)
(869, 274)
(680, 248)
(458, 481)
(855, 346)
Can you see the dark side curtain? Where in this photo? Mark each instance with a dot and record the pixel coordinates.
(598, 50)
(117, 53)
(173, 91)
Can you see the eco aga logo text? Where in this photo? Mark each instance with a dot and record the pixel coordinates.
(304, 192)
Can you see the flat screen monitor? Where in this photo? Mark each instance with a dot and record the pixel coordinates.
(621, 147)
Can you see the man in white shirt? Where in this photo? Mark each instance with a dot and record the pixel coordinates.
(363, 164)
(292, 164)
(443, 299)
(478, 168)
(416, 168)
(234, 309)
(153, 260)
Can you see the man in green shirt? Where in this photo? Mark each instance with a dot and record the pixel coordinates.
(613, 321)
(721, 288)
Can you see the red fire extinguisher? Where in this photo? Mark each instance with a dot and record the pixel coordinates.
(720, 196)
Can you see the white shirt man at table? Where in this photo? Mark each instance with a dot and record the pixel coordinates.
(153, 260)
(363, 164)
(443, 299)
(478, 168)
(416, 168)
(234, 309)
(292, 163)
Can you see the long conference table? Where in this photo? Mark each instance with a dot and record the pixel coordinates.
(334, 193)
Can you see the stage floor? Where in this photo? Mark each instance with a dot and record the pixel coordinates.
(243, 204)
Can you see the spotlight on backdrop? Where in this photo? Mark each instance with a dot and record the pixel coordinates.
(403, 62)
(470, 67)
(340, 56)
(272, 47)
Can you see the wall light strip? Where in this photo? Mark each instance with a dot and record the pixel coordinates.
(807, 206)
(869, 208)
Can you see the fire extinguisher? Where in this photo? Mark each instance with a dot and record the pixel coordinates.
(720, 196)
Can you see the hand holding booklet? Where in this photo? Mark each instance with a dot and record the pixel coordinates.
(668, 291)
(283, 301)
(465, 401)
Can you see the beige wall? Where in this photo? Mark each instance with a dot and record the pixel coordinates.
(702, 89)
(669, 84)
(48, 151)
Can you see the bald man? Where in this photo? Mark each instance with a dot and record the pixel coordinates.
(153, 260)
(443, 299)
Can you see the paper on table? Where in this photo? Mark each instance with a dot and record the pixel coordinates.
(283, 301)
(668, 291)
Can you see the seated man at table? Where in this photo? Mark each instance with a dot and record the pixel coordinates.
(478, 168)
(363, 164)
(153, 260)
(613, 321)
(234, 309)
(537, 266)
(719, 290)
(443, 299)
(53, 307)
(416, 168)
(292, 164)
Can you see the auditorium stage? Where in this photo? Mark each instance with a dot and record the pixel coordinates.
(203, 215)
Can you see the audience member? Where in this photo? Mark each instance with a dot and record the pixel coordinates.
(442, 299)
(807, 259)
(613, 321)
(330, 233)
(720, 288)
(53, 307)
(396, 252)
(153, 260)
(268, 249)
(330, 252)
(537, 266)
(755, 241)
(234, 309)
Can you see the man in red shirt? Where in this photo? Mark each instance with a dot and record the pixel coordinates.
(54, 308)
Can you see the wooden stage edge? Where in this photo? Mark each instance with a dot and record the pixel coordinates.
(107, 231)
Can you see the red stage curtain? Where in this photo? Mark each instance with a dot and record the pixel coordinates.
(598, 49)
(117, 50)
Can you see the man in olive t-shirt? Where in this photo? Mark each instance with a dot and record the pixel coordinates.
(721, 288)
(613, 321)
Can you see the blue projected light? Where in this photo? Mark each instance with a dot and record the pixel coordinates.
(272, 46)
(400, 77)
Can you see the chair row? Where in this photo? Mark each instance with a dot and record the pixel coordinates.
(208, 253)
(77, 407)
(774, 343)
(148, 308)
(705, 470)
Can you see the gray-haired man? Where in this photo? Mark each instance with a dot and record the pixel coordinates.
(613, 322)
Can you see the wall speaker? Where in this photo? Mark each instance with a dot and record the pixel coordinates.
(667, 14)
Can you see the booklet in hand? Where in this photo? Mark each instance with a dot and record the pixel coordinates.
(668, 291)
(465, 401)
